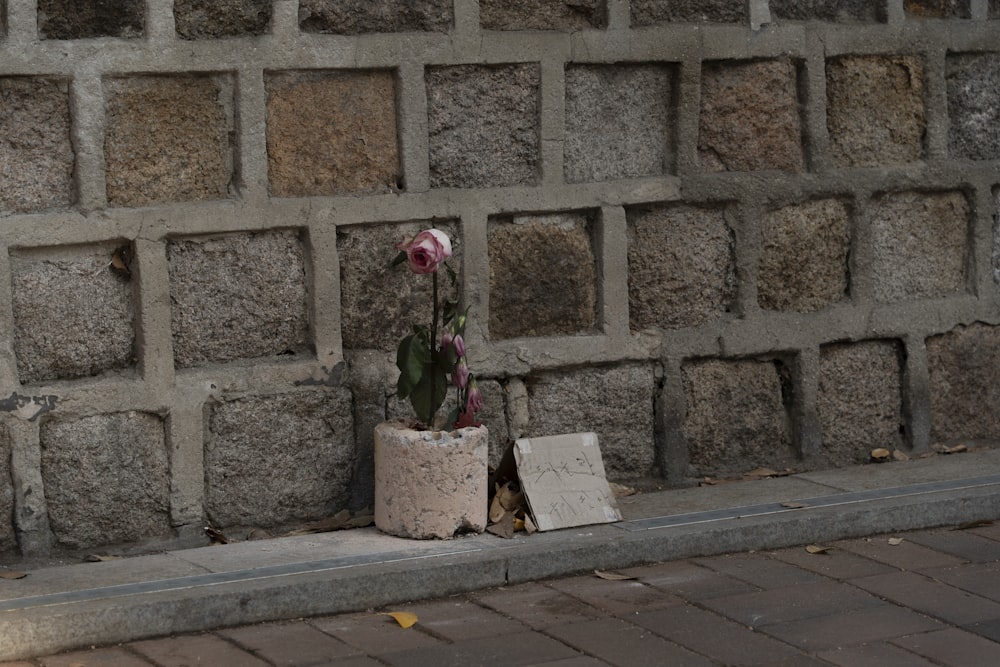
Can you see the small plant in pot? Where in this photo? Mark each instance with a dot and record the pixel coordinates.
(431, 476)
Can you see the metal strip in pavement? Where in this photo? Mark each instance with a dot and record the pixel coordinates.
(797, 505)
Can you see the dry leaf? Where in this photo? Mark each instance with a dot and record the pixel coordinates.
(620, 490)
(895, 541)
(216, 536)
(794, 506)
(613, 576)
(529, 525)
(973, 524)
(404, 618)
(816, 549)
(120, 261)
(497, 510)
(13, 574)
(98, 558)
(510, 497)
(900, 455)
(957, 449)
(880, 455)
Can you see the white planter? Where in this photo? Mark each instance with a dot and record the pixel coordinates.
(430, 484)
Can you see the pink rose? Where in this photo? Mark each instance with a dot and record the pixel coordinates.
(427, 250)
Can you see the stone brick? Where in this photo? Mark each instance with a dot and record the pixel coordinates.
(737, 418)
(875, 110)
(681, 269)
(483, 123)
(972, 82)
(237, 296)
(651, 12)
(960, 9)
(36, 158)
(996, 239)
(207, 19)
(618, 122)
(354, 17)
(567, 15)
(73, 315)
(964, 393)
(81, 19)
(331, 133)
(542, 276)
(167, 139)
(994, 9)
(918, 244)
(860, 399)
(616, 403)
(840, 11)
(803, 262)
(379, 303)
(8, 542)
(106, 478)
(750, 116)
(274, 460)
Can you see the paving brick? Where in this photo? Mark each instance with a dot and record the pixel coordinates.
(622, 643)
(876, 654)
(862, 626)
(971, 83)
(615, 597)
(289, 643)
(536, 605)
(689, 581)
(989, 629)
(566, 15)
(938, 8)
(197, 19)
(760, 570)
(978, 578)
(954, 647)
(503, 651)
(354, 17)
(82, 19)
(840, 11)
(933, 598)
(963, 389)
(904, 555)
(375, 634)
(194, 650)
(460, 619)
(835, 563)
(714, 636)
(792, 602)
(651, 12)
(962, 543)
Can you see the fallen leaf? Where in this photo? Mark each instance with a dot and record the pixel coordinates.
(794, 506)
(120, 260)
(620, 490)
(510, 497)
(496, 509)
(98, 558)
(880, 455)
(13, 574)
(529, 525)
(504, 527)
(900, 455)
(973, 524)
(613, 576)
(817, 549)
(404, 618)
(895, 541)
(957, 449)
(216, 536)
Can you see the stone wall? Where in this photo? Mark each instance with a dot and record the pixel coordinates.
(720, 233)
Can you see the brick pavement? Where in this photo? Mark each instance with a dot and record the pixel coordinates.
(931, 599)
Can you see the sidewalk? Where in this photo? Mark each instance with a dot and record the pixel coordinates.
(940, 587)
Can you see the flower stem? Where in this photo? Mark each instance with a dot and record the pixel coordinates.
(433, 343)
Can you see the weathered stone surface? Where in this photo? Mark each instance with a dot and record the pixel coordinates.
(80, 19)
(875, 110)
(616, 403)
(963, 383)
(681, 267)
(36, 157)
(237, 296)
(275, 460)
(568, 15)
(354, 17)
(650, 12)
(750, 116)
(483, 123)
(803, 261)
(736, 417)
(543, 279)
(618, 122)
(332, 133)
(167, 138)
(8, 540)
(961, 9)
(73, 314)
(840, 11)
(106, 478)
(996, 239)
(207, 19)
(379, 303)
(860, 399)
(430, 484)
(973, 82)
(918, 244)
(994, 9)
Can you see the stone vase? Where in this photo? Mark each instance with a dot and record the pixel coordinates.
(430, 484)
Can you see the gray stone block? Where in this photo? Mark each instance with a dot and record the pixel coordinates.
(619, 122)
(237, 296)
(616, 403)
(274, 460)
(81, 19)
(379, 303)
(354, 17)
(73, 314)
(875, 110)
(962, 365)
(566, 15)
(543, 278)
(803, 261)
(650, 12)
(749, 117)
(36, 169)
(918, 244)
(737, 416)
(681, 267)
(483, 125)
(860, 400)
(994, 9)
(106, 478)
(996, 239)
(973, 82)
(938, 9)
(840, 11)
(208, 19)
(8, 540)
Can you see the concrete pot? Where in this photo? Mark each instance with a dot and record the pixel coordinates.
(430, 484)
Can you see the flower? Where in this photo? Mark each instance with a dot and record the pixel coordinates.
(460, 374)
(474, 400)
(426, 251)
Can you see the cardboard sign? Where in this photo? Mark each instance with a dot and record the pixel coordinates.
(563, 480)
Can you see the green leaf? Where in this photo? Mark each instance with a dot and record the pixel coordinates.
(426, 402)
(398, 259)
(451, 274)
(412, 357)
(450, 308)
